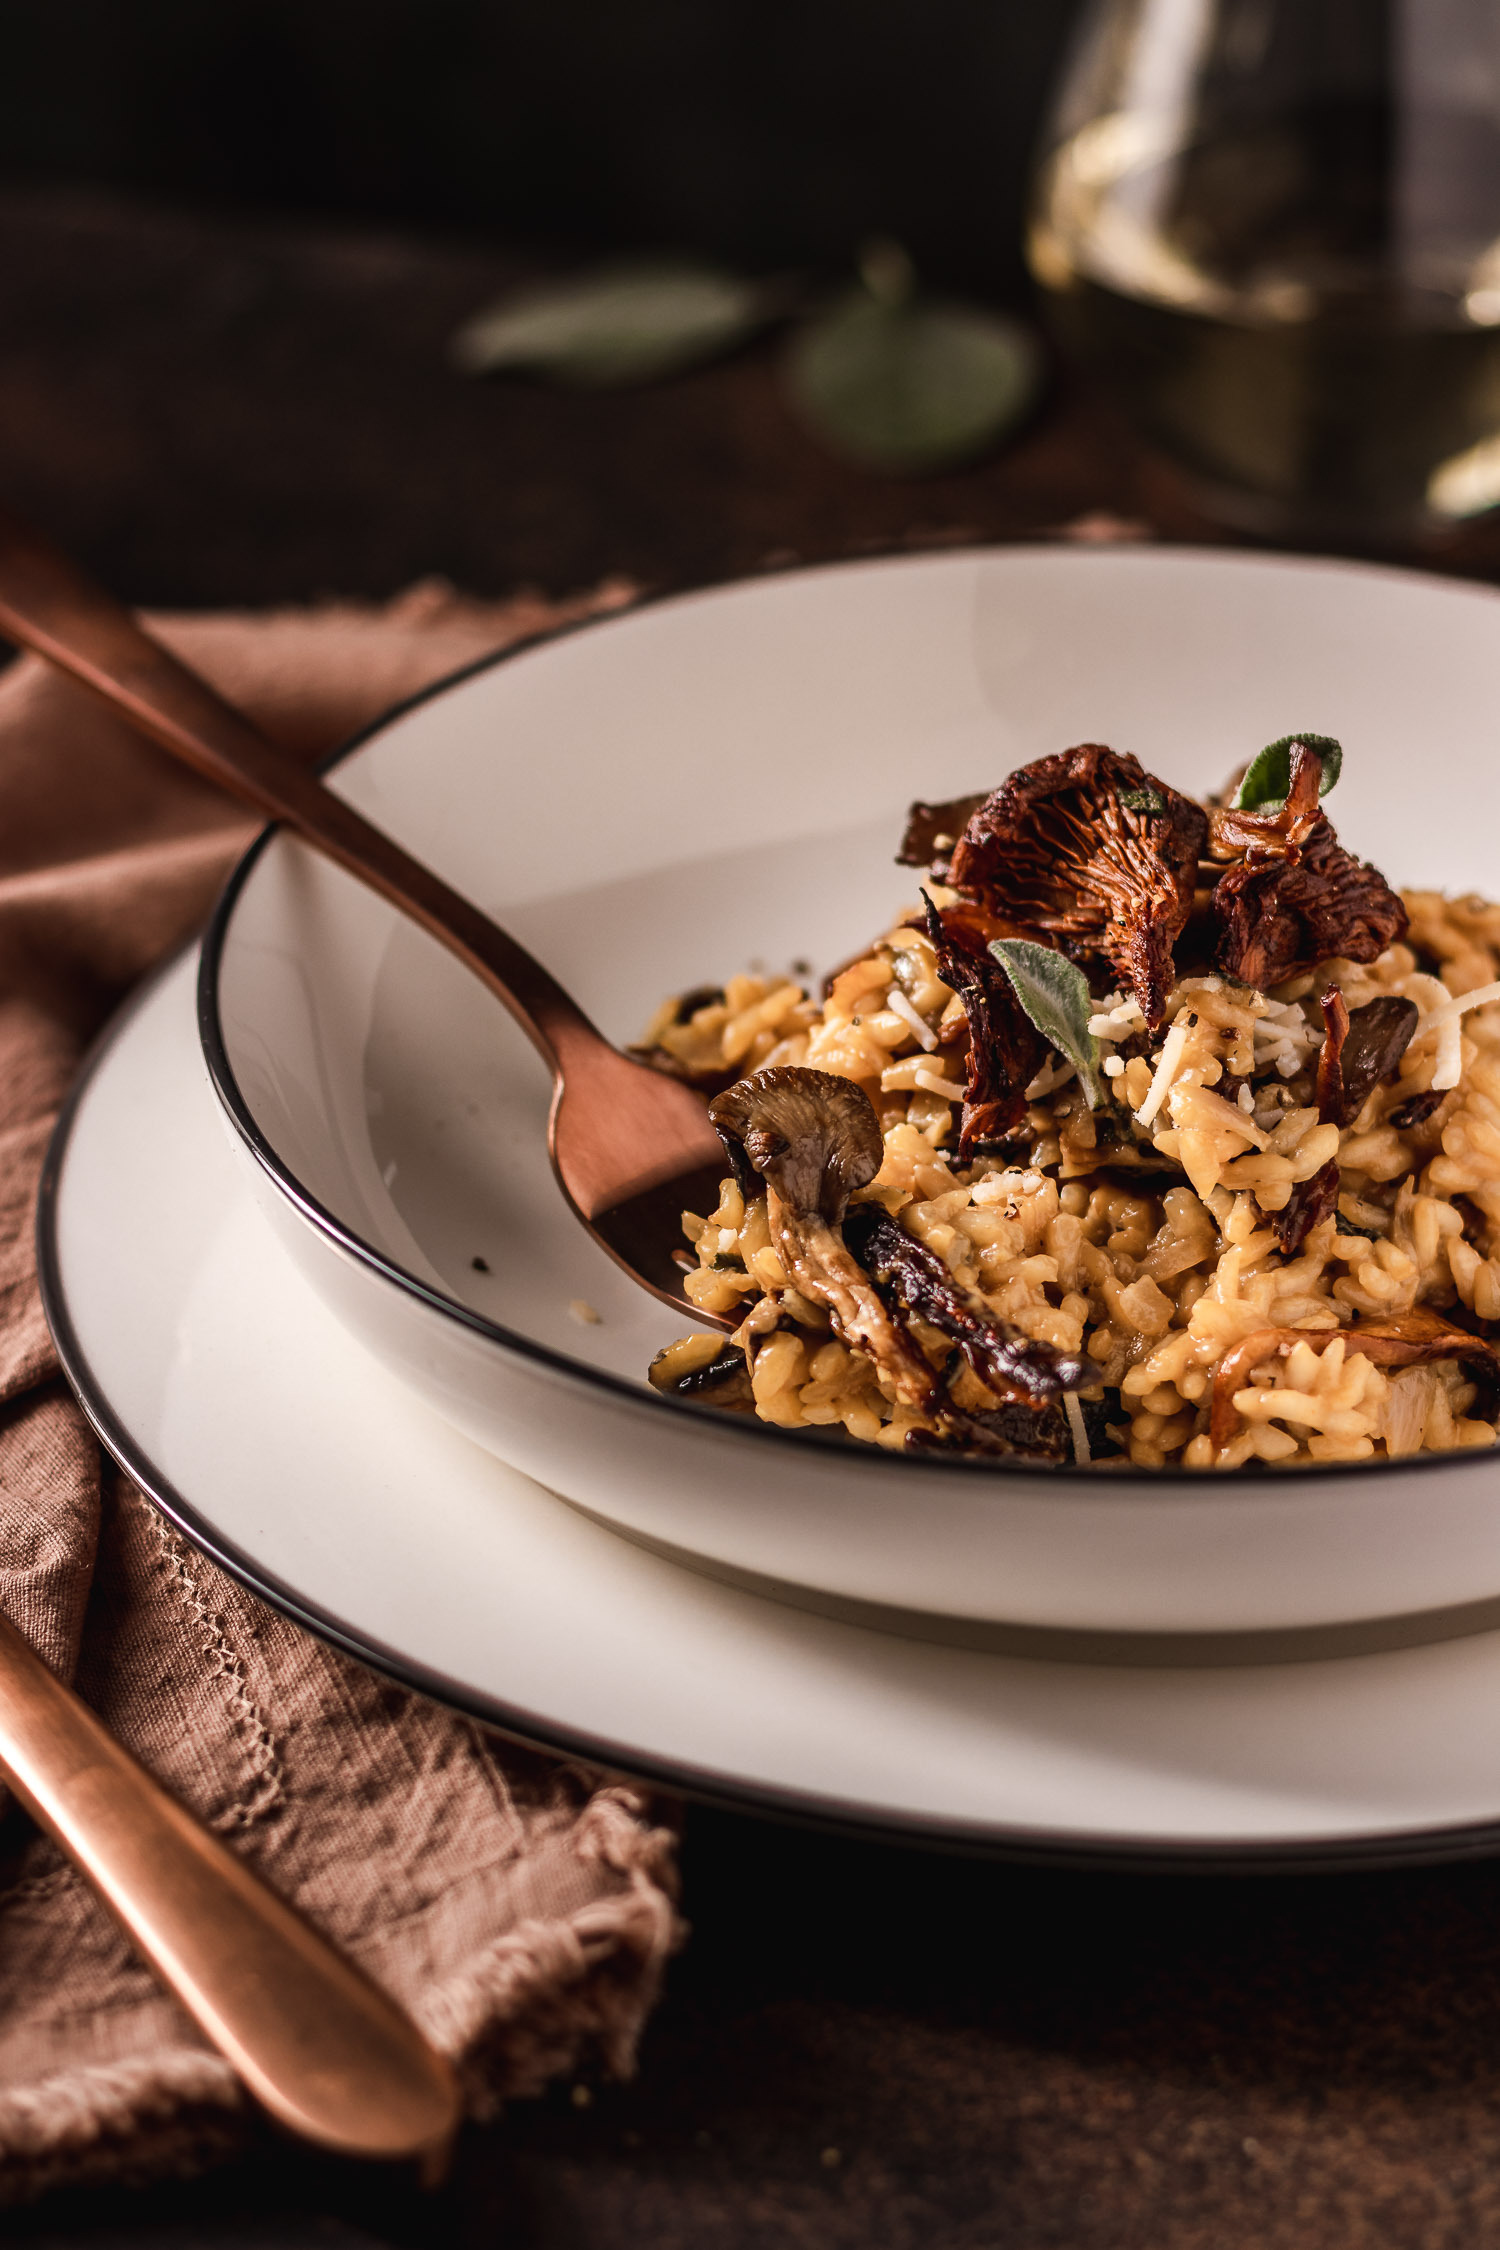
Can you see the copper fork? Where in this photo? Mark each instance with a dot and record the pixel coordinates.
(630, 1147)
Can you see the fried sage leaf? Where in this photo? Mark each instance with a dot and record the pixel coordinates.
(1268, 776)
(618, 324)
(1055, 995)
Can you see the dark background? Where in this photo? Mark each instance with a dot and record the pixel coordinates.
(773, 133)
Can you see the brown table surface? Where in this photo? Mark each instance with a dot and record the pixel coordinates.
(861, 2045)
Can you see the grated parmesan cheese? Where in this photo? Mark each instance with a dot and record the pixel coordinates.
(1444, 1020)
(1081, 1452)
(1166, 1071)
(899, 1005)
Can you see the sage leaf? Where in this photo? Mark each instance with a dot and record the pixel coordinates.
(1143, 800)
(1268, 776)
(618, 324)
(902, 383)
(1056, 997)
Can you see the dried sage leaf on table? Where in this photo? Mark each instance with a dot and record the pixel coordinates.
(618, 324)
(903, 383)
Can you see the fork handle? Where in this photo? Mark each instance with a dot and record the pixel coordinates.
(51, 606)
(323, 2049)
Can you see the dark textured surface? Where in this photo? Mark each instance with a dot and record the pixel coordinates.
(861, 2046)
(776, 135)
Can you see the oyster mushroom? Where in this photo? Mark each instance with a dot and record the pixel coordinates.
(1294, 896)
(814, 1139)
(1005, 1048)
(1089, 848)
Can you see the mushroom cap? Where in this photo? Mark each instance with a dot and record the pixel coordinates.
(1088, 846)
(814, 1136)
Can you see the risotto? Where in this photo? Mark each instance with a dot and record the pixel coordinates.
(1151, 1131)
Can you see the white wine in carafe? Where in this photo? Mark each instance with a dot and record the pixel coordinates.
(1303, 313)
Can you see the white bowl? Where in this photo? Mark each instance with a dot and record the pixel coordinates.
(664, 798)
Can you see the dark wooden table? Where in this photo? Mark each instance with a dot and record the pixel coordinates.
(861, 2045)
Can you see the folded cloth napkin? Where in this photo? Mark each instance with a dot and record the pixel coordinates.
(521, 1909)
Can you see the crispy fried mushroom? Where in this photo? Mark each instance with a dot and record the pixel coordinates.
(1379, 1035)
(1294, 896)
(1040, 1433)
(932, 831)
(1309, 1204)
(910, 1275)
(1090, 848)
(723, 1380)
(1005, 1048)
(1331, 1094)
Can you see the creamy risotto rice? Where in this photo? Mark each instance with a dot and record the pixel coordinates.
(1148, 1185)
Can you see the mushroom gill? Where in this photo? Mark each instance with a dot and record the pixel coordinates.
(1089, 848)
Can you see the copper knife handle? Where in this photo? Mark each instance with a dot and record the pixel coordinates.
(318, 2045)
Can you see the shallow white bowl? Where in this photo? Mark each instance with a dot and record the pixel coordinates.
(718, 783)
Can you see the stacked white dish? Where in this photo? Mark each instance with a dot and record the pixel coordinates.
(263, 1333)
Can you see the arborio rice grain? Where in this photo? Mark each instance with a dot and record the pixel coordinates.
(1153, 1282)
(1142, 1233)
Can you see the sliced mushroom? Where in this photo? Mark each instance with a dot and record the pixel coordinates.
(1089, 847)
(1331, 1091)
(814, 1139)
(1039, 1433)
(1005, 1048)
(910, 1275)
(1309, 1204)
(1409, 1339)
(1420, 1110)
(1379, 1035)
(1360, 1050)
(723, 1380)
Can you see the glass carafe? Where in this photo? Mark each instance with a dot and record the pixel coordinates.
(1272, 229)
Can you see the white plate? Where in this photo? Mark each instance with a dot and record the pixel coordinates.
(229, 1391)
(658, 799)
